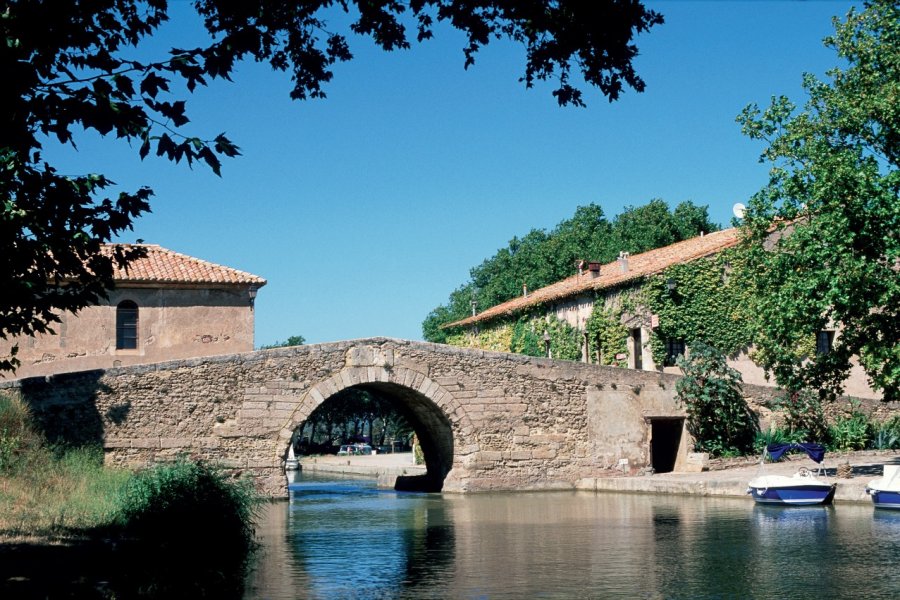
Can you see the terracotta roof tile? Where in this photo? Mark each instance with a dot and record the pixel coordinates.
(611, 275)
(161, 265)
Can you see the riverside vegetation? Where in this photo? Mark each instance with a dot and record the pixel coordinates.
(178, 529)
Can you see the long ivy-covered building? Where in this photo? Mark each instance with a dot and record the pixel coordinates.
(639, 312)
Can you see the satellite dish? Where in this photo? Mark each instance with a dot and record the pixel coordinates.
(738, 210)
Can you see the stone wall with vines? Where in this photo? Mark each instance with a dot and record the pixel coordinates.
(524, 336)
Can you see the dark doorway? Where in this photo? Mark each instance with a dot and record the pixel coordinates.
(637, 348)
(665, 437)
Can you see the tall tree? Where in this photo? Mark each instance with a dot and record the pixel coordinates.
(72, 66)
(824, 234)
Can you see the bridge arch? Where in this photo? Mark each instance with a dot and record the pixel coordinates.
(437, 418)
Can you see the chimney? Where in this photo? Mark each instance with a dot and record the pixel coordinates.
(580, 265)
(623, 261)
(594, 269)
(524, 290)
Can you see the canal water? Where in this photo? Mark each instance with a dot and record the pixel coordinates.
(343, 538)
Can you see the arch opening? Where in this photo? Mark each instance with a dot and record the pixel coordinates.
(384, 401)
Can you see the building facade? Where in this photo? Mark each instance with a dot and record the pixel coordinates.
(631, 312)
(164, 306)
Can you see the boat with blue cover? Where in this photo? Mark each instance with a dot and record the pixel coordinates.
(804, 488)
(885, 491)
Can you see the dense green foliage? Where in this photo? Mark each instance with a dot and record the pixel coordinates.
(718, 417)
(804, 417)
(524, 335)
(541, 257)
(834, 199)
(708, 302)
(79, 67)
(180, 530)
(200, 520)
(607, 336)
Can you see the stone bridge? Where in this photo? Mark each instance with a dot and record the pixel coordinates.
(486, 421)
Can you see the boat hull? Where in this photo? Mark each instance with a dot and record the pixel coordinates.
(794, 495)
(885, 498)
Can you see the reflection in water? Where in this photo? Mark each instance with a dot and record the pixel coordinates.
(345, 539)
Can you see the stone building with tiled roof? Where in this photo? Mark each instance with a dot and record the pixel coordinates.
(581, 288)
(572, 301)
(163, 306)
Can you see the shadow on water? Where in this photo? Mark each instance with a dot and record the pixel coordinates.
(106, 570)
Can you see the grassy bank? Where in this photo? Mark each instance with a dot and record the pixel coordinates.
(179, 529)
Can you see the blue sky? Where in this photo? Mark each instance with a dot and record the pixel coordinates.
(364, 210)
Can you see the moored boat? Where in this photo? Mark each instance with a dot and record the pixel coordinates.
(291, 464)
(885, 491)
(803, 488)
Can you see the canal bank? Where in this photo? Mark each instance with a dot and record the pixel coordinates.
(732, 481)
(728, 479)
(365, 465)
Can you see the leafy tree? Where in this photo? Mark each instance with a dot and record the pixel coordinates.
(74, 66)
(824, 234)
(653, 225)
(717, 415)
(541, 258)
(294, 340)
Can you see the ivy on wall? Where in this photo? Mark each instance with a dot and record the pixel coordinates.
(607, 336)
(524, 336)
(705, 300)
(495, 338)
(708, 302)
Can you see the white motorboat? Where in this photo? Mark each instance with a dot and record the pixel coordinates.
(803, 488)
(885, 490)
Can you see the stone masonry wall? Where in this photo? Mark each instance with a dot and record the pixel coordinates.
(500, 421)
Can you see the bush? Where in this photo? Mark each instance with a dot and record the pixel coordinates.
(852, 431)
(17, 437)
(887, 434)
(197, 525)
(804, 417)
(770, 436)
(717, 415)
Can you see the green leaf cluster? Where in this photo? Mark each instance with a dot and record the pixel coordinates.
(524, 336)
(708, 302)
(607, 336)
(824, 234)
(718, 416)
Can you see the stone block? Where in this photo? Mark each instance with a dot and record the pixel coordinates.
(489, 456)
(111, 442)
(696, 462)
(255, 413)
(518, 455)
(254, 405)
(543, 453)
(145, 442)
(174, 442)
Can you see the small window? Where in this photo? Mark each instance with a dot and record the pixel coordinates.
(126, 325)
(824, 342)
(674, 349)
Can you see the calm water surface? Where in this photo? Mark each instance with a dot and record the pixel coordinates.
(347, 539)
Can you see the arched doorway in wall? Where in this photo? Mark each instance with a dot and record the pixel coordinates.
(377, 414)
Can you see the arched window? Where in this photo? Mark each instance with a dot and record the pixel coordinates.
(126, 325)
